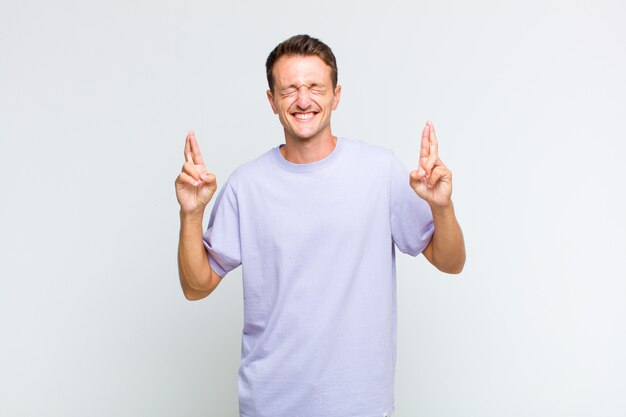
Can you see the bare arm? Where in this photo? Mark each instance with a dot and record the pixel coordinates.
(197, 278)
(446, 249)
(432, 181)
(194, 189)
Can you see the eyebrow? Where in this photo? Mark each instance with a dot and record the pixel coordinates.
(312, 85)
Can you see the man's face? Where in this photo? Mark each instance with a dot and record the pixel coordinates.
(303, 96)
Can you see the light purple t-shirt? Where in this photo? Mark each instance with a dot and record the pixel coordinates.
(316, 245)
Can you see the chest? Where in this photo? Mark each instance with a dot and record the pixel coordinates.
(311, 209)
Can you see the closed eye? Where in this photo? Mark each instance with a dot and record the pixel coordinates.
(288, 92)
(316, 89)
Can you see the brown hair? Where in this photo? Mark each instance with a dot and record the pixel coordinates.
(301, 45)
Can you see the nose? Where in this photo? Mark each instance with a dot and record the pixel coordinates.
(303, 101)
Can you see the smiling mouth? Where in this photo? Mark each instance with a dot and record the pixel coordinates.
(304, 116)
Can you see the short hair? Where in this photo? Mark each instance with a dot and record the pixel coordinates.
(302, 45)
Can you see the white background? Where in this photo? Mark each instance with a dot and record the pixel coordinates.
(528, 99)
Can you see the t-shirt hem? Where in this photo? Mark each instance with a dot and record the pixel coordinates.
(215, 266)
(390, 411)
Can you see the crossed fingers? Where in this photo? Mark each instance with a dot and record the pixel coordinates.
(429, 150)
(431, 169)
(194, 171)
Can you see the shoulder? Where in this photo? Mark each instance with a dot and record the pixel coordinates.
(366, 148)
(369, 154)
(251, 170)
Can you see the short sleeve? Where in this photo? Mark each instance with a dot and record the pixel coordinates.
(221, 238)
(411, 218)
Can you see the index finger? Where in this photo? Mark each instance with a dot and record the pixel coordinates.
(188, 157)
(195, 150)
(424, 147)
(434, 145)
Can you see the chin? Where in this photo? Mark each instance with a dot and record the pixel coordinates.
(303, 136)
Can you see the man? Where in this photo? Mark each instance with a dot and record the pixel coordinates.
(314, 223)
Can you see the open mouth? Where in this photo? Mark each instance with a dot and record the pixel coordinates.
(304, 116)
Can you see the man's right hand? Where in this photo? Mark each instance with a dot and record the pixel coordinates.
(195, 186)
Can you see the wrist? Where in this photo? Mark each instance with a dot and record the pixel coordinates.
(192, 217)
(442, 210)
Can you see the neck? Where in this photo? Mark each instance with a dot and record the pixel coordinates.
(306, 151)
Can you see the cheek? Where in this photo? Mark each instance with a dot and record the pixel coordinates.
(283, 106)
(331, 104)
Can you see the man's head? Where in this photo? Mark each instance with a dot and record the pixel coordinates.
(302, 75)
(301, 45)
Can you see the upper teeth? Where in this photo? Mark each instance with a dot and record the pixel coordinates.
(304, 116)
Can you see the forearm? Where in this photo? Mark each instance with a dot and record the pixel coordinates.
(196, 276)
(446, 249)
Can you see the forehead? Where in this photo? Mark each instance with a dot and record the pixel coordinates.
(298, 70)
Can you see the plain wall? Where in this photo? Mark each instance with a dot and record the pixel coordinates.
(528, 99)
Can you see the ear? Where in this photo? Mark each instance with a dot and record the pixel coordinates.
(337, 97)
(270, 98)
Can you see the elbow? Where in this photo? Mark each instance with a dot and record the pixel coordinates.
(190, 296)
(454, 268)
(197, 289)
(194, 295)
(200, 285)
(204, 281)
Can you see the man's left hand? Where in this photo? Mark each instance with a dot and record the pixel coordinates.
(432, 181)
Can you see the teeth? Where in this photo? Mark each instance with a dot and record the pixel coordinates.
(303, 116)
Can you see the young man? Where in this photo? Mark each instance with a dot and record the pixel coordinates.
(314, 224)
